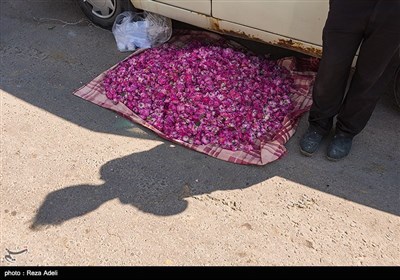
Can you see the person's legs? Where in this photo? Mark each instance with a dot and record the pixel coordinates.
(378, 59)
(342, 35)
(376, 65)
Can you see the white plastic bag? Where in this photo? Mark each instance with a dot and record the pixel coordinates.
(141, 30)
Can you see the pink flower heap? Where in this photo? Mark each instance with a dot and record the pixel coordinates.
(204, 93)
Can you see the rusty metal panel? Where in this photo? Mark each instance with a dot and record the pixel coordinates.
(233, 29)
(298, 46)
(302, 20)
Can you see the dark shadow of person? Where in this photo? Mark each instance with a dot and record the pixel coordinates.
(159, 180)
(155, 181)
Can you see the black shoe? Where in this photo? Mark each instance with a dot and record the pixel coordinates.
(339, 147)
(310, 141)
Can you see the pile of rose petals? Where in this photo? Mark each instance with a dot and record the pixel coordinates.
(204, 93)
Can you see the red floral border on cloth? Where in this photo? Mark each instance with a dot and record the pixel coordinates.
(303, 71)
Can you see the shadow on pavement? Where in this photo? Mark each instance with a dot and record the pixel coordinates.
(160, 179)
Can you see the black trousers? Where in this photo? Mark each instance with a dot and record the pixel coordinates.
(376, 26)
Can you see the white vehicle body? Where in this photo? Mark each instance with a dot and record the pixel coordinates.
(292, 24)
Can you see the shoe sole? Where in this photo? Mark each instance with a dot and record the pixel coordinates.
(307, 154)
(334, 159)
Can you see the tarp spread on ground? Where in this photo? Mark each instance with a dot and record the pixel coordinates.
(211, 95)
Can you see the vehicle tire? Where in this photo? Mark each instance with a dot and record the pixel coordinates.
(104, 12)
